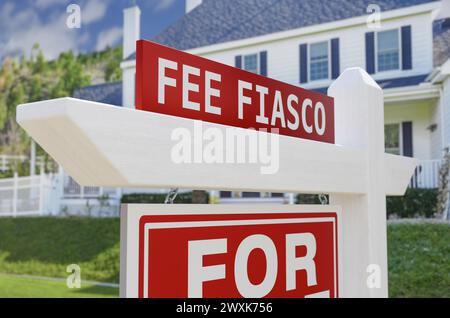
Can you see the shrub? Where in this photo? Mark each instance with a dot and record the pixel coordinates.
(308, 199)
(415, 203)
(185, 197)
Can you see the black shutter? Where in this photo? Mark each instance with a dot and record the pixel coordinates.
(407, 139)
(370, 52)
(335, 58)
(238, 61)
(263, 63)
(406, 48)
(303, 63)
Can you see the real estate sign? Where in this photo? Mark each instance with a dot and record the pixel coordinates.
(217, 251)
(230, 251)
(176, 83)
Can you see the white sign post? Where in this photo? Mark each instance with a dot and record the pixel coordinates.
(360, 125)
(103, 145)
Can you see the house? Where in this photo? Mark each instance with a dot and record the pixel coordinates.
(403, 44)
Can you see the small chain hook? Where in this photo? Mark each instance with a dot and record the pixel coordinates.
(171, 195)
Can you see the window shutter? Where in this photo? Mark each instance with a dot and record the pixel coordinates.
(370, 52)
(407, 139)
(406, 48)
(303, 63)
(263, 63)
(335, 58)
(238, 61)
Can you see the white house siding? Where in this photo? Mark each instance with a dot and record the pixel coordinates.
(128, 86)
(446, 110)
(420, 114)
(283, 54)
(436, 135)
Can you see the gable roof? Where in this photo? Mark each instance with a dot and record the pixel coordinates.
(218, 21)
(390, 83)
(441, 41)
(108, 93)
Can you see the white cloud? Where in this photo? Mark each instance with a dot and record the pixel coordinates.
(162, 5)
(21, 29)
(93, 11)
(44, 4)
(108, 37)
(23, 26)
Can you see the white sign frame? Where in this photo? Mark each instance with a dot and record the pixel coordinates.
(132, 213)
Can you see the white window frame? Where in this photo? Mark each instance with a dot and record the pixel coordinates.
(329, 61)
(400, 136)
(400, 61)
(258, 70)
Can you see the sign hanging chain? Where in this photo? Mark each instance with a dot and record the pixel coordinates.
(171, 195)
(323, 199)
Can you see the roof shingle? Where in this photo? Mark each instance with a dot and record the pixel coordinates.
(108, 93)
(219, 21)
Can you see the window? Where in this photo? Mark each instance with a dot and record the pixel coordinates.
(251, 63)
(319, 61)
(388, 50)
(392, 139)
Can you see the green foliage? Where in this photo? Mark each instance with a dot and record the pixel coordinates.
(419, 260)
(155, 198)
(418, 254)
(308, 199)
(23, 287)
(415, 203)
(33, 78)
(46, 246)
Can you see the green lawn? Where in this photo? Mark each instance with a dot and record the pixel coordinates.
(46, 246)
(419, 260)
(418, 254)
(18, 287)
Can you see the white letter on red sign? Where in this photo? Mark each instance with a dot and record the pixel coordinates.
(263, 91)
(243, 284)
(294, 263)
(190, 87)
(293, 99)
(278, 111)
(306, 103)
(197, 274)
(209, 91)
(243, 99)
(319, 107)
(163, 80)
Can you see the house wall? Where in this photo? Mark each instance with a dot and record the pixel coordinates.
(420, 114)
(436, 135)
(283, 55)
(128, 86)
(446, 111)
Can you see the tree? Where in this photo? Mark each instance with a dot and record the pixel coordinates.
(16, 97)
(35, 89)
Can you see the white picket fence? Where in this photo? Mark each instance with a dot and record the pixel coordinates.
(23, 196)
(55, 194)
(7, 160)
(426, 174)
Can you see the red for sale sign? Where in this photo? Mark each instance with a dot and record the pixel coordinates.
(234, 252)
(176, 83)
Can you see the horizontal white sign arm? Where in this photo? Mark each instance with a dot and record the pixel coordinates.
(105, 145)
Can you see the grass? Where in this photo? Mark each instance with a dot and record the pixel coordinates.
(18, 287)
(46, 246)
(419, 260)
(418, 255)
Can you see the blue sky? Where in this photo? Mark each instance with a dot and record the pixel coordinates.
(25, 22)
